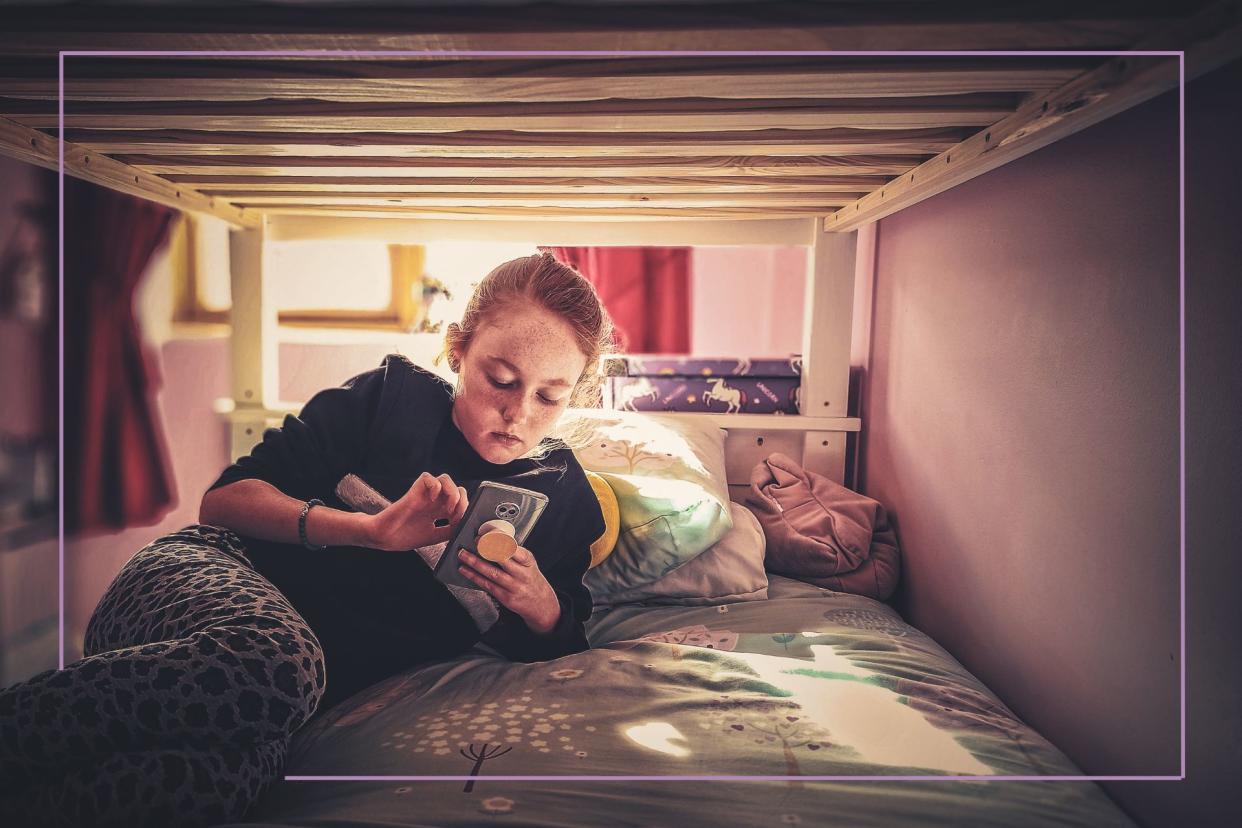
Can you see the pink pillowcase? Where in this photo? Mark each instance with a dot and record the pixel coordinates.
(820, 532)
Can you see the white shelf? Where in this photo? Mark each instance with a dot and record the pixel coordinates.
(768, 422)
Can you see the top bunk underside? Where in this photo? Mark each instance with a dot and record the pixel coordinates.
(432, 112)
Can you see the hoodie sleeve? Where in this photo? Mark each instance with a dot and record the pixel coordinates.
(308, 454)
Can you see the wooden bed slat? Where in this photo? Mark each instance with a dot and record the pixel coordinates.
(573, 213)
(664, 115)
(548, 184)
(532, 79)
(528, 167)
(392, 228)
(824, 201)
(521, 145)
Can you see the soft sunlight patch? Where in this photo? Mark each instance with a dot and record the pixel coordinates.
(658, 736)
(860, 713)
(667, 491)
(459, 265)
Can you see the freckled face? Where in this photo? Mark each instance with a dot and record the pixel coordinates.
(515, 379)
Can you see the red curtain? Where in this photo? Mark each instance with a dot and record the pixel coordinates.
(645, 289)
(116, 470)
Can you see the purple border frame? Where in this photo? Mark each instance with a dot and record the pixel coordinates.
(1181, 368)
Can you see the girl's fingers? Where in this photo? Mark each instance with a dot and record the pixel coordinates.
(486, 569)
(462, 502)
(449, 494)
(430, 484)
(498, 590)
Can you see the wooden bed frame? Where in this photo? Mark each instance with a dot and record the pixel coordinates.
(583, 149)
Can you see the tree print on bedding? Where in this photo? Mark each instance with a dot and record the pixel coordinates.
(767, 722)
(485, 731)
(624, 456)
(481, 755)
(783, 639)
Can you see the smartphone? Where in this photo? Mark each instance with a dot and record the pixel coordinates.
(519, 506)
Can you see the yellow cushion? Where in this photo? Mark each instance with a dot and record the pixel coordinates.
(604, 544)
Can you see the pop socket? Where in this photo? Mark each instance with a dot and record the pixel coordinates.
(496, 541)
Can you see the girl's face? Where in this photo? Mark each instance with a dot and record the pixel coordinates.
(515, 380)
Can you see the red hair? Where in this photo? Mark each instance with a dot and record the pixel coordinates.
(553, 285)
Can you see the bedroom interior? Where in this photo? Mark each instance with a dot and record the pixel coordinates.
(970, 261)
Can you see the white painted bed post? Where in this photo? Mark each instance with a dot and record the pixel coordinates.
(253, 343)
(826, 332)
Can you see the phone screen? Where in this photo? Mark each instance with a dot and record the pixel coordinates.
(491, 501)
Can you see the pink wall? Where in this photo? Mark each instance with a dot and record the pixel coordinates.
(747, 300)
(306, 368)
(1021, 415)
(1019, 395)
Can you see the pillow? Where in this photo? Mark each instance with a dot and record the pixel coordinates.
(731, 570)
(605, 543)
(820, 532)
(668, 475)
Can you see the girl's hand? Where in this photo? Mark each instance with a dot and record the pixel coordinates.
(518, 584)
(411, 522)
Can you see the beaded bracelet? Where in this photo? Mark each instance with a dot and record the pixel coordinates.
(310, 504)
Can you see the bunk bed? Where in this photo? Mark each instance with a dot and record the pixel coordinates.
(596, 149)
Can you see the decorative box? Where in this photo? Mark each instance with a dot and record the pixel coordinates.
(730, 385)
(640, 365)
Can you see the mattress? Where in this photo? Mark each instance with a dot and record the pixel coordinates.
(808, 682)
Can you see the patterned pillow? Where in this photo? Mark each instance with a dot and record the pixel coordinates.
(668, 474)
(731, 570)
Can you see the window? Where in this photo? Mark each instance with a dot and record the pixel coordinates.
(399, 288)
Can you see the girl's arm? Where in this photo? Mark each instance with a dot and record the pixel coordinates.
(428, 513)
(258, 509)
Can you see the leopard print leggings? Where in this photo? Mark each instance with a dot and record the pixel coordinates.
(197, 672)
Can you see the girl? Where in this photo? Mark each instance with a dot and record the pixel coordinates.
(214, 644)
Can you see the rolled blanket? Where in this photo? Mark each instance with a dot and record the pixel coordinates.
(481, 606)
(820, 532)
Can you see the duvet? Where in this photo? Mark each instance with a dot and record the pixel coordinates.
(806, 683)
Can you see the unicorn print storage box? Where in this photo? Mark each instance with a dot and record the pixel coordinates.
(726, 385)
